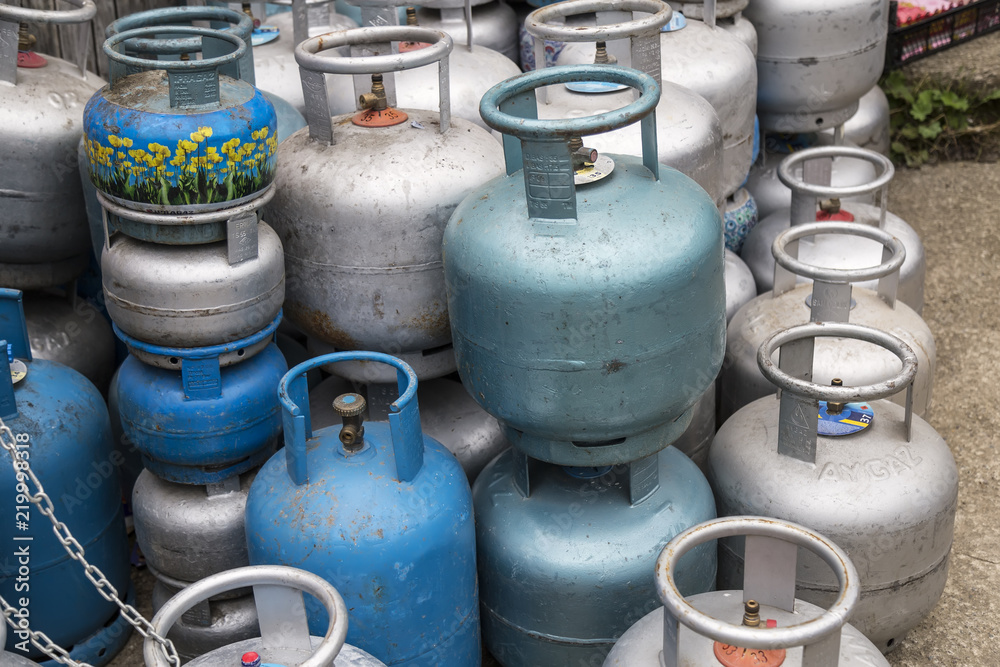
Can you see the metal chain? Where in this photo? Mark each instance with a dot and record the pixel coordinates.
(44, 504)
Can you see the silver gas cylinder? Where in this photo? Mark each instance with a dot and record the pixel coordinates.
(813, 66)
(274, 60)
(210, 624)
(284, 628)
(688, 125)
(814, 199)
(728, 16)
(764, 620)
(72, 331)
(830, 298)
(493, 25)
(191, 531)
(472, 71)
(44, 223)
(362, 220)
(869, 126)
(178, 291)
(772, 195)
(7, 658)
(867, 473)
(696, 440)
(447, 413)
(716, 65)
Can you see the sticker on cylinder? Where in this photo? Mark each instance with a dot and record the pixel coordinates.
(264, 34)
(594, 87)
(677, 21)
(594, 172)
(18, 371)
(851, 418)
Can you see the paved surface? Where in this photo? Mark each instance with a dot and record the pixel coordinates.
(953, 207)
(972, 65)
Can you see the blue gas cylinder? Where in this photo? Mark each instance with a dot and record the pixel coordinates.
(382, 512)
(566, 555)
(202, 415)
(578, 282)
(61, 428)
(179, 136)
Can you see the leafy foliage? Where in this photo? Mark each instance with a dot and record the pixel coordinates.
(928, 123)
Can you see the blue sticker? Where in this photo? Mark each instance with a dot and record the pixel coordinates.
(677, 21)
(852, 418)
(594, 87)
(265, 34)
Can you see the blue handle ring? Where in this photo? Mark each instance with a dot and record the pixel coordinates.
(175, 65)
(401, 367)
(531, 128)
(207, 352)
(167, 17)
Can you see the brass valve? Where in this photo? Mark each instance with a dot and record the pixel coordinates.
(830, 206)
(602, 57)
(376, 99)
(582, 156)
(351, 408)
(751, 614)
(249, 12)
(831, 407)
(25, 40)
(411, 16)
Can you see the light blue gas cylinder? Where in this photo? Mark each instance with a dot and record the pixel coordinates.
(61, 427)
(382, 512)
(202, 415)
(566, 555)
(586, 298)
(289, 119)
(183, 137)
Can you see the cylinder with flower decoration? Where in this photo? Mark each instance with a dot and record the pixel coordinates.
(179, 137)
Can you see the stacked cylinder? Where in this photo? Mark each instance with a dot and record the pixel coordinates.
(182, 153)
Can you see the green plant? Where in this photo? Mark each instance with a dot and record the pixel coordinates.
(929, 123)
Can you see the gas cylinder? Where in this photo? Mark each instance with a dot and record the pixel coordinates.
(716, 65)
(71, 331)
(696, 440)
(813, 67)
(740, 28)
(127, 455)
(549, 535)
(836, 251)
(288, 119)
(209, 522)
(355, 281)
(170, 280)
(60, 426)
(887, 494)
(471, 71)
(11, 659)
(44, 225)
(564, 305)
(202, 415)
(284, 630)
(728, 16)
(740, 215)
(183, 137)
(764, 619)
(493, 24)
(831, 298)
(274, 60)
(772, 195)
(869, 126)
(214, 623)
(401, 512)
(695, 147)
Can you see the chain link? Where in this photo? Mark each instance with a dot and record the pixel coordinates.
(44, 504)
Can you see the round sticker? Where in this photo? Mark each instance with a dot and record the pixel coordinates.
(852, 418)
(590, 174)
(592, 87)
(677, 21)
(264, 35)
(18, 371)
